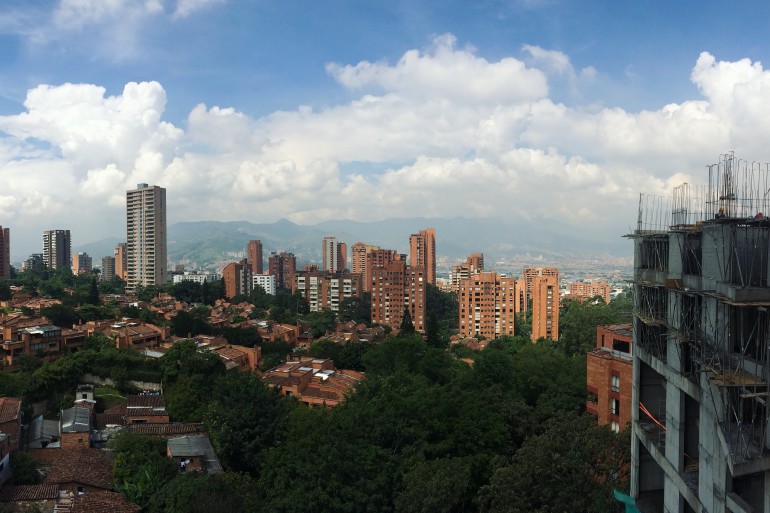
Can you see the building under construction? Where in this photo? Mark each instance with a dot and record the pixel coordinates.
(700, 439)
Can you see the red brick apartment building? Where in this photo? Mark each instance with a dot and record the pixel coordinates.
(395, 287)
(422, 252)
(254, 256)
(609, 371)
(487, 305)
(588, 290)
(545, 307)
(283, 266)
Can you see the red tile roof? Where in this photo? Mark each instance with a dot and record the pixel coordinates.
(103, 502)
(165, 429)
(81, 465)
(29, 493)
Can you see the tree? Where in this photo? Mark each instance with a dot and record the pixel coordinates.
(93, 292)
(141, 467)
(5, 290)
(60, 315)
(438, 486)
(578, 321)
(432, 335)
(201, 493)
(407, 327)
(358, 309)
(188, 291)
(573, 466)
(24, 469)
(321, 322)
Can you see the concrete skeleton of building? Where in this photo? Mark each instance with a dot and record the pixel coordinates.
(57, 249)
(146, 244)
(487, 305)
(701, 364)
(5, 252)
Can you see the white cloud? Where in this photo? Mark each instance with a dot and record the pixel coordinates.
(185, 8)
(437, 148)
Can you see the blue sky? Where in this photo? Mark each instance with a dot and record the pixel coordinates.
(322, 109)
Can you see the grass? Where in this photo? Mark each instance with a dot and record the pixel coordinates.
(109, 396)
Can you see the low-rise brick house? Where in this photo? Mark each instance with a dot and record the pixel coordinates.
(75, 427)
(80, 470)
(10, 419)
(609, 371)
(146, 409)
(103, 502)
(315, 382)
(27, 497)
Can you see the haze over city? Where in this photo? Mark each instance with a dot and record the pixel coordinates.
(526, 110)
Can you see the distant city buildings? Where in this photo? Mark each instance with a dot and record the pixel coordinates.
(324, 290)
(254, 256)
(108, 268)
(487, 305)
(121, 263)
(82, 263)
(584, 290)
(283, 266)
(57, 249)
(473, 265)
(422, 252)
(334, 255)
(146, 244)
(266, 281)
(195, 276)
(35, 261)
(238, 279)
(5, 252)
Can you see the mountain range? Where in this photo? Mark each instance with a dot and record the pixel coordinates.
(199, 243)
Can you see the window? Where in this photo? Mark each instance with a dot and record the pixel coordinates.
(615, 426)
(615, 406)
(615, 383)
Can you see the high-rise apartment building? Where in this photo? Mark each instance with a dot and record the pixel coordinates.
(325, 290)
(108, 268)
(5, 252)
(358, 252)
(422, 252)
(146, 250)
(529, 275)
(487, 304)
(254, 256)
(266, 281)
(82, 263)
(57, 249)
(334, 255)
(700, 437)
(121, 263)
(283, 266)
(473, 265)
(378, 258)
(545, 307)
(395, 287)
(238, 279)
(34, 262)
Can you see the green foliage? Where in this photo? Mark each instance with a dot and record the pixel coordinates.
(61, 315)
(578, 321)
(24, 469)
(445, 306)
(190, 323)
(573, 466)
(407, 326)
(244, 419)
(321, 322)
(187, 291)
(187, 377)
(93, 292)
(201, 493)
(5, 290)
(358, 309)
(437, 486)
(141, 467)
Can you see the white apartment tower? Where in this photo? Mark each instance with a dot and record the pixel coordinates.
(146, 236)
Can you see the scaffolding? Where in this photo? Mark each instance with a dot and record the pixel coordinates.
(724, 244)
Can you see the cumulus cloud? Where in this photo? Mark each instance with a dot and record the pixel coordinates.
(410, 144)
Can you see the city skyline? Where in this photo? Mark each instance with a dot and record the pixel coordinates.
(531, 110)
